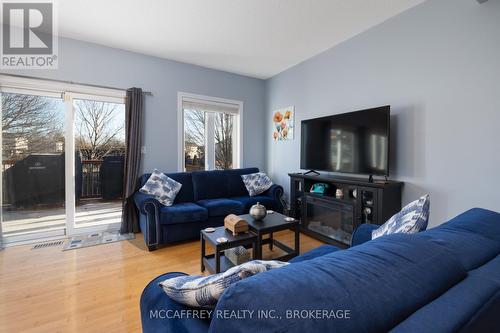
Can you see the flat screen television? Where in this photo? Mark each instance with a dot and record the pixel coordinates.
(354, 142)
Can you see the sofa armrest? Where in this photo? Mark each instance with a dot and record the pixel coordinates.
(276, 192)
(150, 207)
(158, 310)
(363, 234)
(143, 201)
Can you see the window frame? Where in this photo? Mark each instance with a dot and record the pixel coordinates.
(215, 102)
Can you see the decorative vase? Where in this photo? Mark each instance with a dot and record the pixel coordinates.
(258, 212)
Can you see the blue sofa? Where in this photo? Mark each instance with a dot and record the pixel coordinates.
(206, 197)
(445, 279)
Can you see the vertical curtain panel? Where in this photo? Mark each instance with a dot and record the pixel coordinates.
(134, 127)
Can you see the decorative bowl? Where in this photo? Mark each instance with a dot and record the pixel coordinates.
(258, 212)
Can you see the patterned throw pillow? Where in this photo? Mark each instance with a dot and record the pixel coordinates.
(205, 291)
(256, 183)
(162, 187)
(411, 219)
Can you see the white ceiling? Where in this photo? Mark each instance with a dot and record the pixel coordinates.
(258, 38)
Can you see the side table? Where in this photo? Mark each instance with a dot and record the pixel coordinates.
(217, 262)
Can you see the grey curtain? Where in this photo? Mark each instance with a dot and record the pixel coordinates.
(134, 127)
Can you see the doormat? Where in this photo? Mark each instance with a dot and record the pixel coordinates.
(96, 238)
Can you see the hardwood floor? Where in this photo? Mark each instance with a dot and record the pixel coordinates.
(94, 289)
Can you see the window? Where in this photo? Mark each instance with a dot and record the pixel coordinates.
(223, 137)
(194, 140)
(211, 137)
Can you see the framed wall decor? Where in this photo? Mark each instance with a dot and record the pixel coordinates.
(283, 124)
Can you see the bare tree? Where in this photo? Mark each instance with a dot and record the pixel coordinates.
(194, 131)
(223, 141)
(98, 130)
(194, 135)
(30, 124)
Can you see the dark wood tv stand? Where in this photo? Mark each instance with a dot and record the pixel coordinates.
(332, 219)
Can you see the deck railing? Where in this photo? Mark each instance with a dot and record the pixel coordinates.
(7, 164)
(90, 179)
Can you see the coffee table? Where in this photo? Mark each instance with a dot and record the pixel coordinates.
(217, 262)
(272, 223)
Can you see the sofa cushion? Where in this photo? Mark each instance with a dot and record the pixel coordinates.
(458, 305)
(479, 221)
(183, 212)
(473, 236)
(472, 249)
(256, 183)
(380, 282)
(248, 202)
(162, 187)
(411, 219)
(186, 192)
(317, 252)
(204, 291)
(236, 186)
(210, 184)
(222, 207)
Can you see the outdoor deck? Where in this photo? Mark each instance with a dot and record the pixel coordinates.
(89, 212)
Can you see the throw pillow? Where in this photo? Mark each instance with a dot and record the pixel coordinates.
(256, 183)
(162, 187)
(411, 219)
(205, 291)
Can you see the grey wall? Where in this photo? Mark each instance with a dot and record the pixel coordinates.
(94, 64)
(438, 66)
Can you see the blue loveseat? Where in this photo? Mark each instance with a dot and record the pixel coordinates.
(445, 279)
(206, 197)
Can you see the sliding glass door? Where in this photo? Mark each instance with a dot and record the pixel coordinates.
(99, 138)
(33, 164)
(62, 163)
